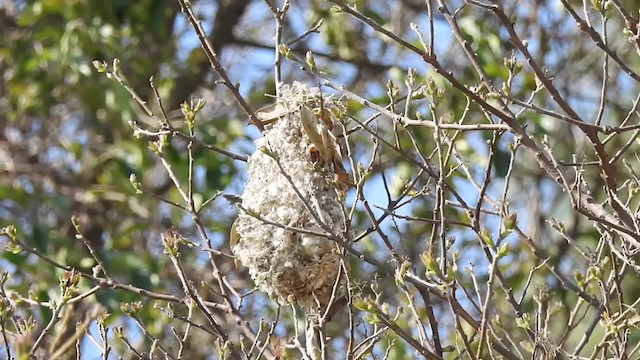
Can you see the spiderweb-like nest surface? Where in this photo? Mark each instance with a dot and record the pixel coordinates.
(288, 265)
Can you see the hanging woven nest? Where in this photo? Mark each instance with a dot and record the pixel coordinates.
(294, 185)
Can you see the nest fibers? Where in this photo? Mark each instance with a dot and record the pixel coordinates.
(289, 265)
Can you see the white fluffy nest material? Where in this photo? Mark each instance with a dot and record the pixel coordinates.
(290, 266)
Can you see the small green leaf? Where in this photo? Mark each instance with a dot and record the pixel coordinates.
(503, 250)
(285, 51)
(311, 62)
(511, 221)
(430, 263)
(486, 238)
(100, 66)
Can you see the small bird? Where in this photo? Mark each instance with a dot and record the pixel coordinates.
(318, 129)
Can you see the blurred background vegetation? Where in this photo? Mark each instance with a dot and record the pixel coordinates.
(67, 149)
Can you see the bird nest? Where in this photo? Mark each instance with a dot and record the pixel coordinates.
(291, 205)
